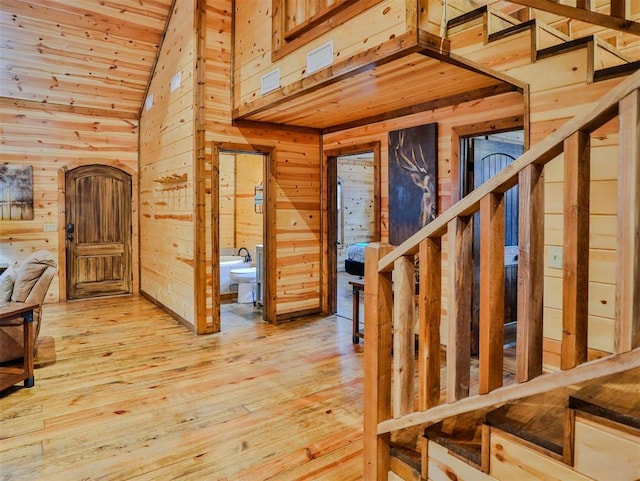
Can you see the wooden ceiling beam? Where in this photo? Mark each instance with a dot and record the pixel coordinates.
(606, 21)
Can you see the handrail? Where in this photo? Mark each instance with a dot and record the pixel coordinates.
(612, 364)
(390, 325)
(543, 152)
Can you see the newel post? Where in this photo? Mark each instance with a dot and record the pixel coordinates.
(378, 308)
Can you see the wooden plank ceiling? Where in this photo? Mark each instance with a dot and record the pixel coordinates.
(412, 83)
(96, 57)
(88, 55)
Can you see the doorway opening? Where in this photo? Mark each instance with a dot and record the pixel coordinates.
(241, 226)
(481, 158)
(240, 223)
(352, 220)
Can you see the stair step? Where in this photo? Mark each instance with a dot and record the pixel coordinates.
(461, 435)
(605, 449)
(616, 71)
(406, 462)
(511, 459)
(616, 398)
(538, 419)
(478, 13)
(512, 30)
(446, 467)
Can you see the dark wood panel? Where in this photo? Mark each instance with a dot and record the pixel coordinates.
(98, 241)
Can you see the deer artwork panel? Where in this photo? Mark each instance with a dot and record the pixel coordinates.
(413, 180)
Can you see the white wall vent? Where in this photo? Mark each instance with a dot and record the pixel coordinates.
(148, 103)
(270, 81)
(175, 82)
(320, 57)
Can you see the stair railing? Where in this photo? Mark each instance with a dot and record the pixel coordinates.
(389, 378)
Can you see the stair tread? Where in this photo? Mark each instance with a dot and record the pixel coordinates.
(538, 419)
(615, 397)
(460, 434)
(617, 71)
(473, 14)
(512, 30)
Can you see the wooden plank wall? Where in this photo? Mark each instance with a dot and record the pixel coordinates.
(249, 173)
(253, 43)
(227, 205)
(239, 224)
(295, 249)
(554, 99)
(166, 148)
(502, 106)
(51, 140)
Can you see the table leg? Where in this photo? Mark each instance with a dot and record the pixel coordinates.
(28, 348)
(356, 315)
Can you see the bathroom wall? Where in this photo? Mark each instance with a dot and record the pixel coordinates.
(249, 172)
(240, 225)
(227, 202)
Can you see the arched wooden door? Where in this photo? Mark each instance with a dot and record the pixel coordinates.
(98, 232)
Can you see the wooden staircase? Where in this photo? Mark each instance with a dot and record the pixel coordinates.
(505, 43)
(589, 431)
(541, 426)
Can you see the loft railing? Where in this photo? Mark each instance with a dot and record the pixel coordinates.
(390, 382)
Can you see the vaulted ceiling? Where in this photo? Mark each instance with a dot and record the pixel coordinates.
(97, 56)
(86, 54)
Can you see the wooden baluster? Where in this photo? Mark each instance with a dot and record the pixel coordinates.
(621, 9)
(491, 292)
(429, 311)
(575, 269)
(586, 4)
(377, 363)
(627, 320)
(404, 281)
(460, 235)
(530, 273)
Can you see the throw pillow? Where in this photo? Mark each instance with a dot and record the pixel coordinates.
(29, 272)
(7, 279)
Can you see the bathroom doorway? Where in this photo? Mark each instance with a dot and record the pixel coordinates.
(239, 234)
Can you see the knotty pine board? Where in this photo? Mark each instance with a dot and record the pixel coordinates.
(294, 248)
(51, 140)
(249, 172)
(383, 21)
(167, 147)
(227, 188)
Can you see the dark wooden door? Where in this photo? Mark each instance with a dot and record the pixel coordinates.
(489, 158)
(98, 231)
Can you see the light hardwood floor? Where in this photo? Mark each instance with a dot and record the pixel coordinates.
(124, 392)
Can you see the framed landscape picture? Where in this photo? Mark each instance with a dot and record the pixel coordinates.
(16, 192)
(413, 180)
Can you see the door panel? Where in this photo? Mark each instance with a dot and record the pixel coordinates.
(489, 158)
(98, 206)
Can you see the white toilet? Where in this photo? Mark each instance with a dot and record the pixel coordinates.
(246, 279)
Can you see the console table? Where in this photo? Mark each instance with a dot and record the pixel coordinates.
(16, 314)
